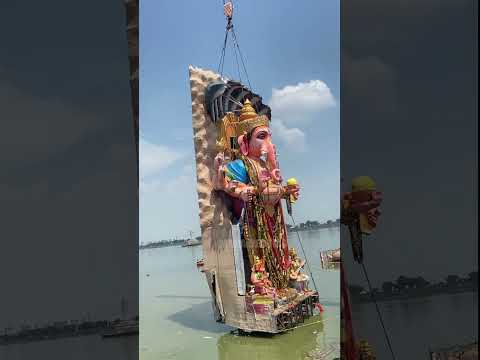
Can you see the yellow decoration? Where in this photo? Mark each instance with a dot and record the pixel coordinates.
(362, 183)
(248, 125)
(249, 119)
(231, 126)
(366, 351)
(292, 251)
(247, 112)
(226, 131)
(292, 181)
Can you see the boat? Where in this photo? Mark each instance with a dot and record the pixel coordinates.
(122, 328)
(330, 260)
(192, 242)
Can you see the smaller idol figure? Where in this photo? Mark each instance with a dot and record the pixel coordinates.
(259, 279)
(298, 280)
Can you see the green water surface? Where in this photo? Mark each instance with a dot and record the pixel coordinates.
(176, 317)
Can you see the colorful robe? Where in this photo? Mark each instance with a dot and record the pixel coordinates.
(264, 230)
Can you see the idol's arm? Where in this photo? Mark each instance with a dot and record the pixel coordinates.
(219, 181)
(272, 194)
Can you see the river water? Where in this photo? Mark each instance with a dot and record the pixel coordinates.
(176, 318)
(419, 325)
(75, 348)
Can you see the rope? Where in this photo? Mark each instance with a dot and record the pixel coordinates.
(222, 56)
(241, 57)
(236, 60)
(304, 254)
(378, 311)
(236, 47)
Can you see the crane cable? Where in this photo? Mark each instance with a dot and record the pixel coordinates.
(385, 332)
(228, 11)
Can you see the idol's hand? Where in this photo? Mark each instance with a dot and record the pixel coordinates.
(218, 161)
(247, 193)
(276, 175)
(219, 182)
(293, 190)
(273, 194)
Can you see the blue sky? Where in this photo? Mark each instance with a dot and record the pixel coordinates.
(292, 56)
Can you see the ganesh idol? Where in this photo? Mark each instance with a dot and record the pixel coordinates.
(250, 175)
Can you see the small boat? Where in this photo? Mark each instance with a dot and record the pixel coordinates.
(122, 328)
(191, 242)
(330, 259)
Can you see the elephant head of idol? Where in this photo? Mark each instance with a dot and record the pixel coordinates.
(243, 122)
(255, 140)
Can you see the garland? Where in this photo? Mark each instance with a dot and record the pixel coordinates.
(265, 235)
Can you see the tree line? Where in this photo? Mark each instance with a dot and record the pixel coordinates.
(404, 284)
(313, 224)
(165, 243)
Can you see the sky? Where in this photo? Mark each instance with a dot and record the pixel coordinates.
(68, 177)
(292, 57)
(410, 121)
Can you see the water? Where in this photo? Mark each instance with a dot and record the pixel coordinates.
(75, 348)
(176, 318)
(417, 325)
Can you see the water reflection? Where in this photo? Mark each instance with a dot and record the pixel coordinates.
(308, 341)
(198, 317)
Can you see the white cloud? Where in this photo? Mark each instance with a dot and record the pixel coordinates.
(295, 102)
(155, 158)
(41, 136)
(293, 138)
(298, 104)
(365, 74)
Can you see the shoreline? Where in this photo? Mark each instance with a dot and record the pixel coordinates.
(53, 332)
(412, 295)
(181, 242)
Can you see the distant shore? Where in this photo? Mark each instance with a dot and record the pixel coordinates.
(312, 228)
(167, 243)
(306, 226)
(63, 329)
(413, 293)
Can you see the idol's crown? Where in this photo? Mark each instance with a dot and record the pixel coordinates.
(248, 111)
(249, 119)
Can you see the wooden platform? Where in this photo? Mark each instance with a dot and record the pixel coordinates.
(290, 315)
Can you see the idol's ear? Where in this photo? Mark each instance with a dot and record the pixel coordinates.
(243, 143)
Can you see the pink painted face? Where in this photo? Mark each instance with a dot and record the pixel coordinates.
(260, 143)
(260, 147)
